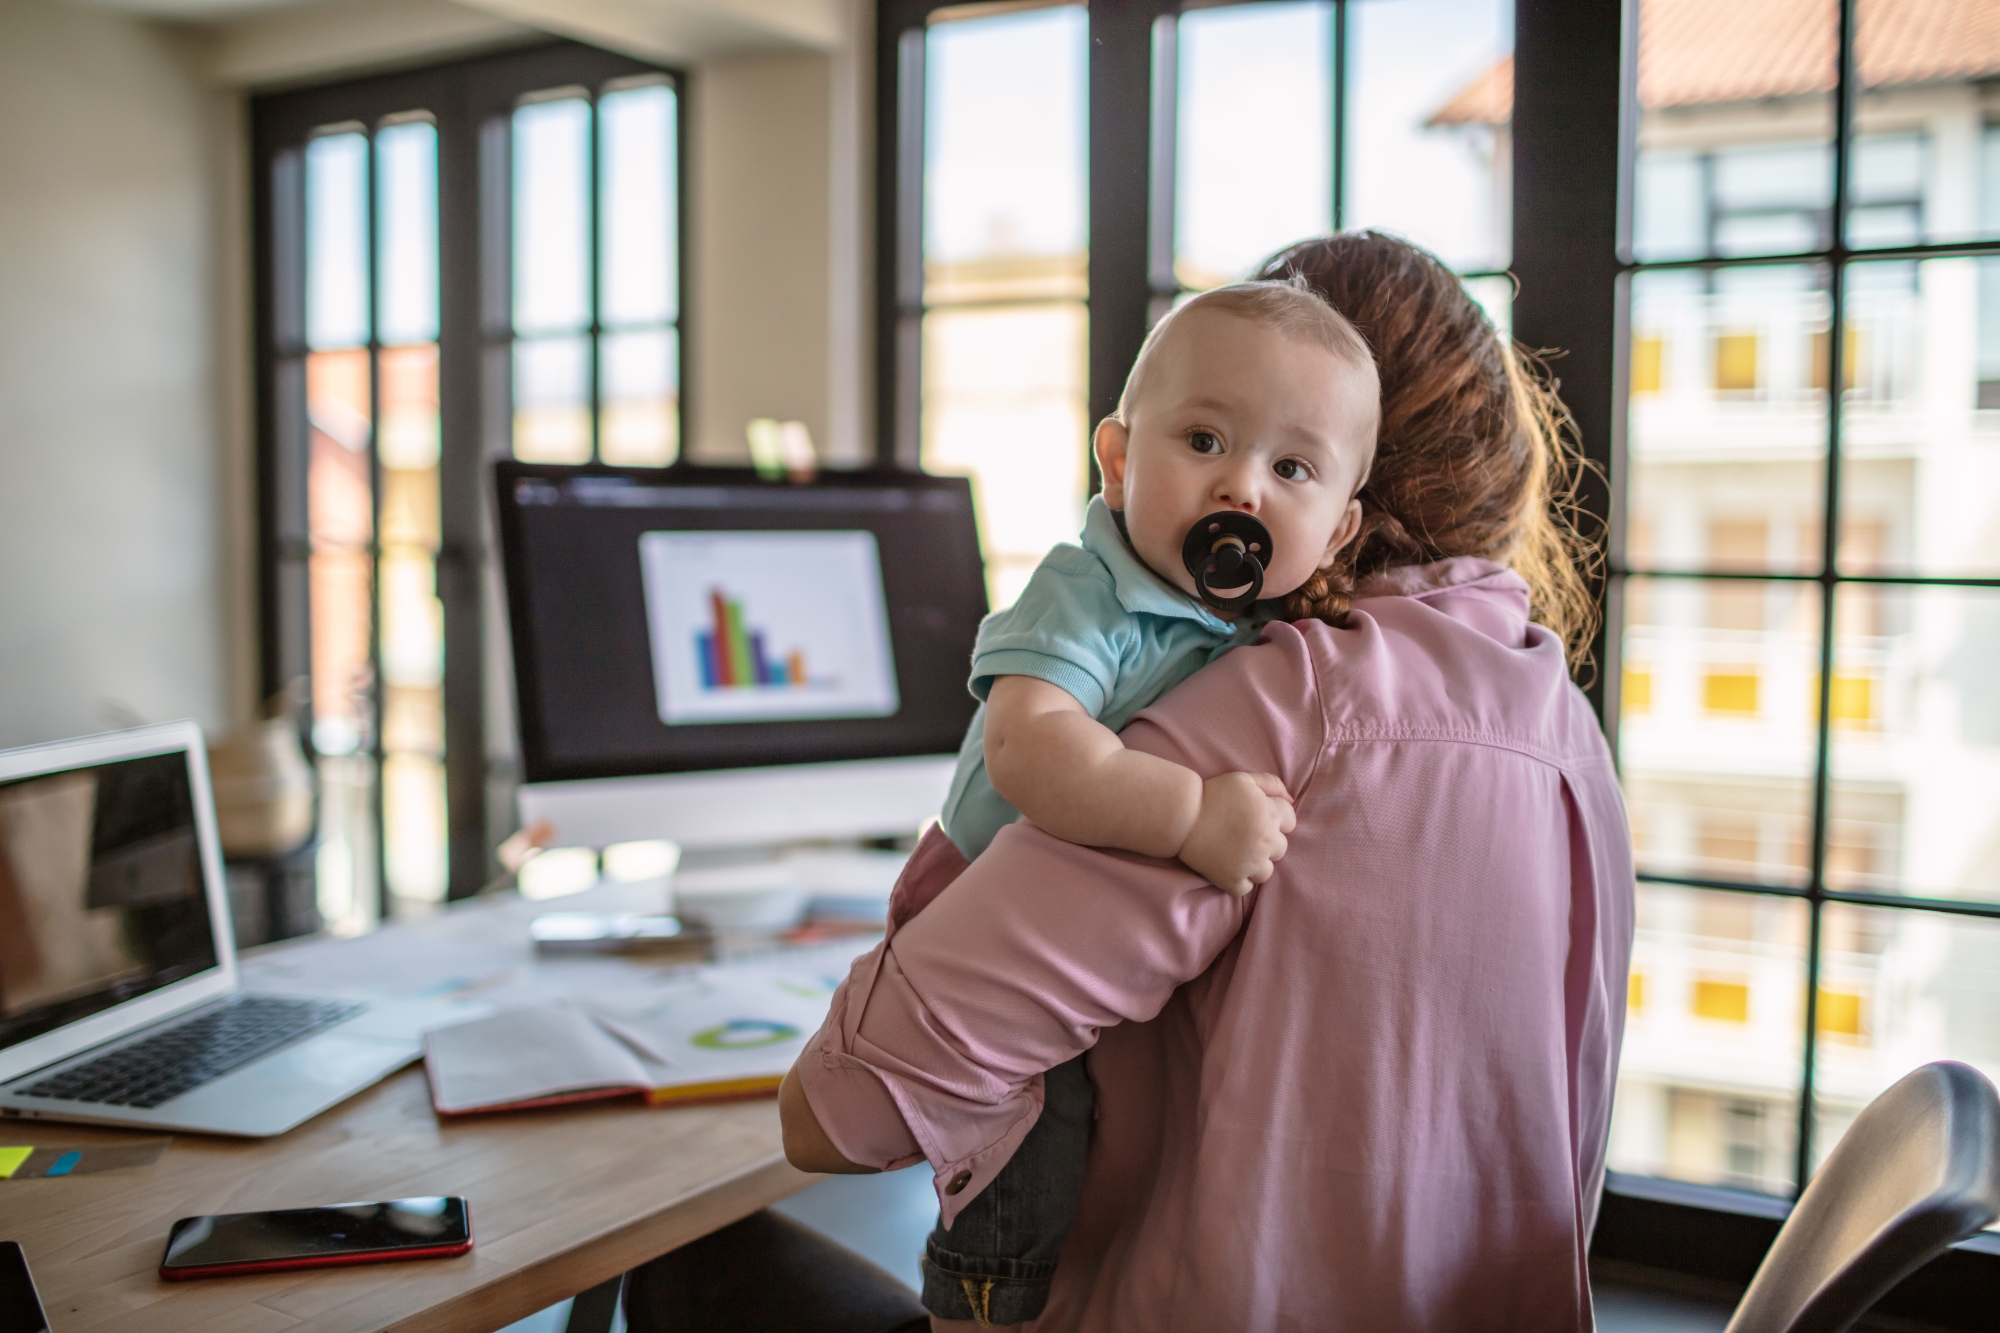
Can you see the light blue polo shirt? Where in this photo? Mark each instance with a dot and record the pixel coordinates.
(1099, 624)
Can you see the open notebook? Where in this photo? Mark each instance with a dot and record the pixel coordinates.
(715, 1033)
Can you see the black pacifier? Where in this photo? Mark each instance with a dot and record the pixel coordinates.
(1227, 549)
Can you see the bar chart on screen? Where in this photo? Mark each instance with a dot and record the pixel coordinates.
(732, 655)
(767, 626)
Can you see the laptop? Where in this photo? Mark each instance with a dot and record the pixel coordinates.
(119, 1000)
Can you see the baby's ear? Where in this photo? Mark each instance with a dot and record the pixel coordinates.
(1110, 444)
(1343, 532)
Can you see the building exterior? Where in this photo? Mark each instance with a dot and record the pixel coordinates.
(1725, 472)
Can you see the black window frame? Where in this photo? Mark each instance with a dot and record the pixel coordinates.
(1574, 127)
(470, 100)
(1720, 1234)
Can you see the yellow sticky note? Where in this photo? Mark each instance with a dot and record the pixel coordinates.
(11, 1159)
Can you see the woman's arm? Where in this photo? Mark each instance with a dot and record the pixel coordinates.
(1071, 775)
(935, 1042)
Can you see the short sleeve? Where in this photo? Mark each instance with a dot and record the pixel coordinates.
(1067, 629)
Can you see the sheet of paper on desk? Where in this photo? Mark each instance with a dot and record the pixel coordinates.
(732, 1030)
(471, 960)
(723, 1031)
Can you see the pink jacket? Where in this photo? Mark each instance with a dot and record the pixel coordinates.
(1372, 1095)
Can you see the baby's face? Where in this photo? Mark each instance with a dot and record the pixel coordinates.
(1232, 414)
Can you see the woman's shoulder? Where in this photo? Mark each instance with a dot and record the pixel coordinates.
(1446, 652)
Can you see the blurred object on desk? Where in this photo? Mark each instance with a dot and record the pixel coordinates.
(263, 786)
(801, 886)
(263, 790)
(275, 897)
(524, 844)
(613, 932)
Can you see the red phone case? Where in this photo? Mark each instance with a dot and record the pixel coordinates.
(315, 1261)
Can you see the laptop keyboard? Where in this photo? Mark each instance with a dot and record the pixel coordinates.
(177, 1059)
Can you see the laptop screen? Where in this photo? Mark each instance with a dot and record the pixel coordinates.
(101, 891)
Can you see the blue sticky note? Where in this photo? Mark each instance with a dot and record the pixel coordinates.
(65, 1164)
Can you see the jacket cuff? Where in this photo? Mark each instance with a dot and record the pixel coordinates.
(849, 1101)
(961, 1181)
(878, 1119)
(857, 1112)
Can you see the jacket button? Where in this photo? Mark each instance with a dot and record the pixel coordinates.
(958, 1182)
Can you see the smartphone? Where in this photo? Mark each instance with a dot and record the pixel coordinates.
(20, 1307)
(341, 1233)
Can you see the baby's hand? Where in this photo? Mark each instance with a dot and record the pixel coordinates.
(1240, 831)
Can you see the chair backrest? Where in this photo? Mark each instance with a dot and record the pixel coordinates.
(1918, 1170)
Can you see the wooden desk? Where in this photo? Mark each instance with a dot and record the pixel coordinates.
(561, 1199)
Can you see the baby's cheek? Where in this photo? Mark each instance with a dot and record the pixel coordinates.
(1158, 543)
(1301, 545)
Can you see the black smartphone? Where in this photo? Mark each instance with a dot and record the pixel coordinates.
(340, 1233)
(20, 1307)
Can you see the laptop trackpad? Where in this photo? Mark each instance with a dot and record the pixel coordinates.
(408, 1020)
(271, 1095)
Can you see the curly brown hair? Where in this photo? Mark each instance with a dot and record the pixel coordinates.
(1476, 455)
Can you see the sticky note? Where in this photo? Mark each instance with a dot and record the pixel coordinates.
(85, 1160)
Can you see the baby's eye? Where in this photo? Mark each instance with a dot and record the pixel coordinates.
(1291, 469)
(1205, 442)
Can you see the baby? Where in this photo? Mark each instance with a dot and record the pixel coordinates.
(1259, 399)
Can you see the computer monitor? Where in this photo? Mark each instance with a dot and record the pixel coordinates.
(704, 656)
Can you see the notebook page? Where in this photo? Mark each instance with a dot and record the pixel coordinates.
(521, 1055)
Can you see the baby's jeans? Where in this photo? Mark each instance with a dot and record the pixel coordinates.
(995, 1264)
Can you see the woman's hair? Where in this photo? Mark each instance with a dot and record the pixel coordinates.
(1289, 306)
(1475, 454)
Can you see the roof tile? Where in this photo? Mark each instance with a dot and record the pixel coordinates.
(1702, 52)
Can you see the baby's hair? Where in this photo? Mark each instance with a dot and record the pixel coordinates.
(1290, 307)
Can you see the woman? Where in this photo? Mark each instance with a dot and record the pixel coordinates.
(1373, 1094)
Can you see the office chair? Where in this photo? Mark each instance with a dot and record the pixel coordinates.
(1918, 1170)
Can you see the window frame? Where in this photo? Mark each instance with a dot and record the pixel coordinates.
(1717, 1233)
(1574, 130)
(1131, 149)
(470, 100)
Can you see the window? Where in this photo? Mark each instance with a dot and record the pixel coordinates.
(1769, 247)
(1256, 125)
(454, 264)
(1779, 719)
(1295, 119)
(596, 357)
(1004, 288)
(372, 532)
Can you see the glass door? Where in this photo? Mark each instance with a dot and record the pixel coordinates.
(370, 366)
(456, 264)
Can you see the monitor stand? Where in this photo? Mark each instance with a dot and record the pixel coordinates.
(795, 832)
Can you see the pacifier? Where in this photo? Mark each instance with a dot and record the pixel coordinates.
(1228, 549)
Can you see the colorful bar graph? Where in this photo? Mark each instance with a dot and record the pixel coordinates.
(734, 655)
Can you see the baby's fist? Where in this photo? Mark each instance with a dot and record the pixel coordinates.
(1240, 832)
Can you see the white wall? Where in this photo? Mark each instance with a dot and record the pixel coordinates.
(127, 496)
(114, 599)
(760, 284)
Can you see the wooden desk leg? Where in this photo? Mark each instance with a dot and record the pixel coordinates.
(592, 1310)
